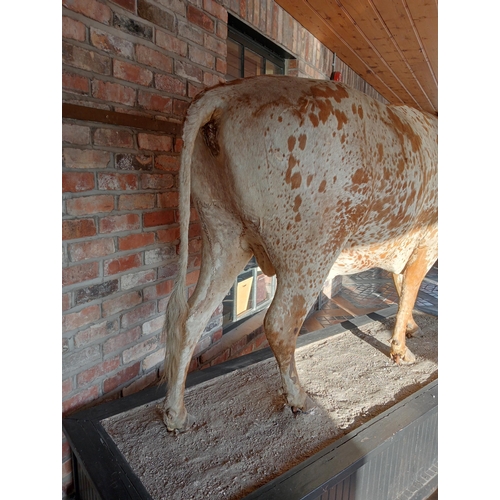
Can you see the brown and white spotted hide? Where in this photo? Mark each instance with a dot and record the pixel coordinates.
(314, 179)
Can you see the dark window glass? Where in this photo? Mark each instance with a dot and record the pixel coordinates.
(234, 53)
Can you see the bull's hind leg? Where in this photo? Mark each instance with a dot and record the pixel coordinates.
(282, 324)
(222, 259)
(411, 328)
(413, 274)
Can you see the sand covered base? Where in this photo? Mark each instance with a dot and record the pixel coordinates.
(245, 435)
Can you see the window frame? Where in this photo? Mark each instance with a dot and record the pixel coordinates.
(248, 44)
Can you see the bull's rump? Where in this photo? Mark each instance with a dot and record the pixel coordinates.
(312, 168)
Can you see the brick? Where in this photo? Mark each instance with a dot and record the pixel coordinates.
(67, 387)
(171, 43)
(66, 301)
(133, 241)
(141, 383)
(80, 273)
(162, 218)
(74, 229)
(157, 181)
(121, 264)
(186, 70)
(221, 30)
(154, 14)
(76, 83)
(96, 333)
(221, 66)
(201, 57)
(131, 26)
(153, 359)
(75, 134)
(159, 290)
(117, 182)
(136, 201)
(190, 32)
(93, 292)
(118, 223)
(81, 318)
(73, 361)
(216, 336)
(180, 109)
(153, 325)
(113, 137)
(167, 162)
(153, 58)
(169, 199)
(111, 43)
(90, 8)
(178, 6)
(140, 350)
(77, 182)
(202, 345)
(215, 9)
(133, 162)
(162, 304)
(199, 18)
(85, 158)
(215, 45)
(73, 29)
(132, 73)
(210, 80)
(154, 142)
(126, 4)
(133, 280)
(159, 255)
(88, 60)
(154, 102)
(238, 346)
(115, 92)
(77, 401)
(168, 235)
(65, 345)
(118, 342)
(121, 303)
(192, 277)
(91, 249)
(195, 230)
(97, 371)
(178, 145)
(121, 378)
(87, 205)
(170, 84)
(194, 90)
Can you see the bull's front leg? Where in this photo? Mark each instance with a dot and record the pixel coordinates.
(413, 275)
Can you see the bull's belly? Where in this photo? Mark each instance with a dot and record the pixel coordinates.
(391, 256)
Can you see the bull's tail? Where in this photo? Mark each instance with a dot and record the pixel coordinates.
(199, 113)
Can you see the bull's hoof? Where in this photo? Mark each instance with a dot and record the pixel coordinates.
(414, 332)
(403, 359)
(306, 407)
(179, 424)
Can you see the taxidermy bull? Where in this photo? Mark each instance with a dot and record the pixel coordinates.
(314, 179)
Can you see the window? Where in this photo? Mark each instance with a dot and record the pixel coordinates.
(251, 292)
(249, 54)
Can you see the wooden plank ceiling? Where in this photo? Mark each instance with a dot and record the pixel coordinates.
(392, 44)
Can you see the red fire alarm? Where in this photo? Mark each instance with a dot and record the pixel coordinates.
(337, 76)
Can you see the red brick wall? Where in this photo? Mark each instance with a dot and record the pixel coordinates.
(119, 227)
